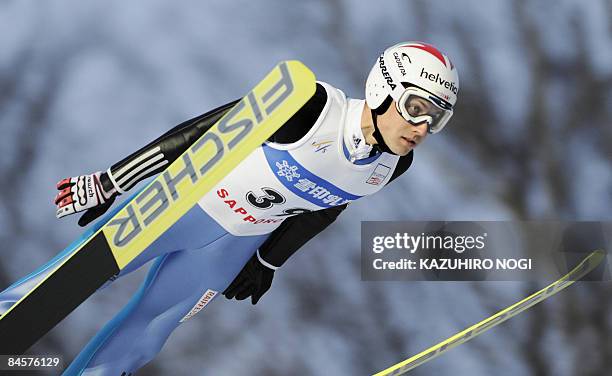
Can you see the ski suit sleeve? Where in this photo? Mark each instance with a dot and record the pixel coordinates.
(296, 231)
(157, 155)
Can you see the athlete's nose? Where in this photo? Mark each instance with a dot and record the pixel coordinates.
(421, 129)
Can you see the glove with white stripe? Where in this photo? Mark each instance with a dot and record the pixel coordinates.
(254, 280)
(84, 193)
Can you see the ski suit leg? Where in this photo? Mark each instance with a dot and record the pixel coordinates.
(176, 284)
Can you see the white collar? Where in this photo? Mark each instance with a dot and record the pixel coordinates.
(353, 135)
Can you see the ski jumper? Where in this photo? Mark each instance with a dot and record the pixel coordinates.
(287, 191)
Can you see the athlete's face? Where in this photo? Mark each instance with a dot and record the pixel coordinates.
(401, 136)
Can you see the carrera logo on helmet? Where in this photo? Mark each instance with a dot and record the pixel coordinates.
(385, 73)
(437, 79)
(398, 61)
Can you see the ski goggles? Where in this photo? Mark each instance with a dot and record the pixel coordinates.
(417, 106)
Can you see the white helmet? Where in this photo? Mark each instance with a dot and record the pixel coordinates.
(414, 70)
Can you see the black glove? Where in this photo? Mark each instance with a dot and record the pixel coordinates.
(254, 280)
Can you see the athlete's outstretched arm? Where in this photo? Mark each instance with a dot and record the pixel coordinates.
(96, 192)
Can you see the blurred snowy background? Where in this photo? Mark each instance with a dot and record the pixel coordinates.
(84, 83)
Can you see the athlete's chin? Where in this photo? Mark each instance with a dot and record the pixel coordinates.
(402, 150)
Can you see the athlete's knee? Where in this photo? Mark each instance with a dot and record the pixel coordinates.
(143, 353)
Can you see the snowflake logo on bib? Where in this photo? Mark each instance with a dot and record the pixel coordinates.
(289, 172)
